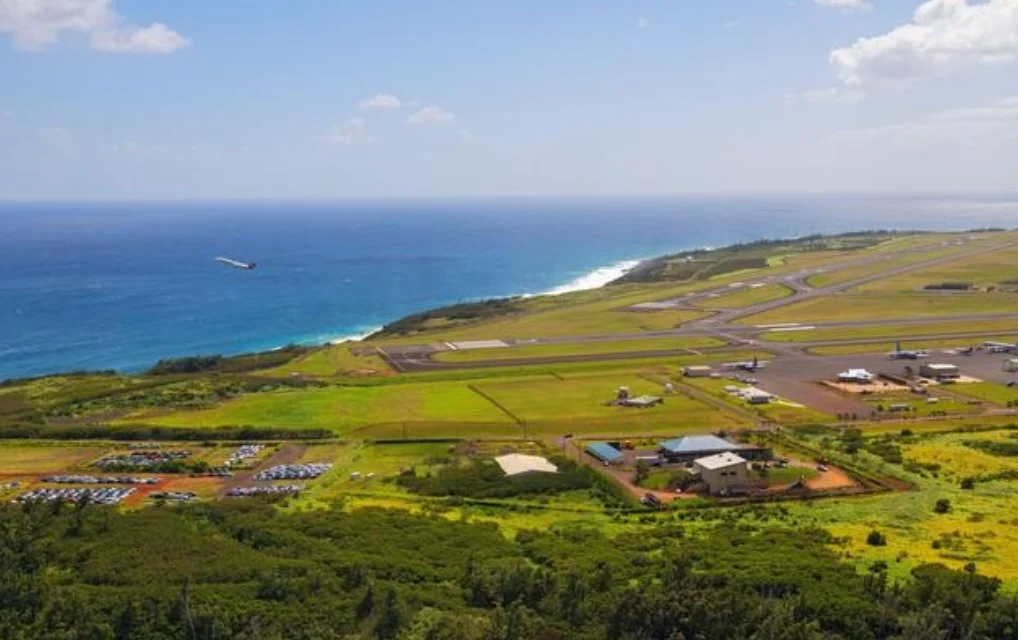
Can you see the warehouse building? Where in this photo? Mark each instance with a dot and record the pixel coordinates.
(689, 448)
(939, 372)
(605, 452)
(723, 473)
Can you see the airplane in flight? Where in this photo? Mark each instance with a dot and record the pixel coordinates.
(249, 266)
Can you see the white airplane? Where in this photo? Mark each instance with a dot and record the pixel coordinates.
(237, 265)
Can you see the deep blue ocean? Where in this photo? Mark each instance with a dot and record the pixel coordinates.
(96, 286)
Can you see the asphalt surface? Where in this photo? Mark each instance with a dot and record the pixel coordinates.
(410, 358)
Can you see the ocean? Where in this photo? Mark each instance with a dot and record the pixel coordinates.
(118, 286)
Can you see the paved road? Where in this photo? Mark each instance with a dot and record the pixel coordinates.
(418, 357)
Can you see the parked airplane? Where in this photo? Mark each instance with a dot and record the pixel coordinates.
(747, 365)
(899, 354)
(236, 264)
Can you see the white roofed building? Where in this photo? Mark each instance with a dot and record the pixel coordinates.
(516, 463)
(858, 376)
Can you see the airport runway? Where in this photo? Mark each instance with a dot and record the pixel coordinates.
(410, 358)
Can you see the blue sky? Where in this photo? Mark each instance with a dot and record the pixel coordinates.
(139, 99)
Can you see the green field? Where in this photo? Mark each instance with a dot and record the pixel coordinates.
(36, 458)
(584, 348)
(848, 274)
(884, 307)
(745, 297)
(982, 271)
(946, 404)
(988, 391)
(893, 331)
(978, 528)
(341, 409)
(575, 403)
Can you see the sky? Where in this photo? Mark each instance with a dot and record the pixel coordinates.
(199, 99)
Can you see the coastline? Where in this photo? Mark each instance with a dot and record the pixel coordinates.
(594, 279)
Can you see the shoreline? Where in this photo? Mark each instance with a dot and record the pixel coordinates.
(594, 279)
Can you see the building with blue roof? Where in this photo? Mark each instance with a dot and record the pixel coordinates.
(604, 452)
(689, 448)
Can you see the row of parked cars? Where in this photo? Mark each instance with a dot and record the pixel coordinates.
(100, 480)
(102, 495)
(304, 471)
(261, 490)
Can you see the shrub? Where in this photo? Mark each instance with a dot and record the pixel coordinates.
(876, 539)
(943, 505)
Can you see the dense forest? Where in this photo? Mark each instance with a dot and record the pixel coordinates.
(248, 569)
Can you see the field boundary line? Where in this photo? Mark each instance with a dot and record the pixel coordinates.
(515, 418)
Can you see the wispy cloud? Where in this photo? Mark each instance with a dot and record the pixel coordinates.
(642, 23)
(353, 131)
(857, 6)
(431, 115)
(36, 24)
(380, 101)
(975, 126)
(826, 95)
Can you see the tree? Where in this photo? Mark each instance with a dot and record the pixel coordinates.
(943, 505)
(393, 615)
(876, 539)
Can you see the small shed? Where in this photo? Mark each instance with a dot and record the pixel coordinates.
(514, 464)
(723, 472)
(604, 452)
(697, 371)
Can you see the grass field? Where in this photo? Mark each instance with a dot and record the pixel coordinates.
(745, 297)
(333, 360)
(545, 351)
(920, 408)
(986, 270)
(341, 409)
(979, 526)
(893, 331)
(848, 274)
(576, 404)
(885, 307)
(987, 391)
(36, 458)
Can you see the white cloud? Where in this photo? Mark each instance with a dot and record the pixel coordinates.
(468, 136)
(353, 131)
(642, 23)
(157, 38)
(826, 95)
(380, 101)
(431, 115)
(943, 34)
(973, 126)
(846, 5)
(35, 24)
(730, 24)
